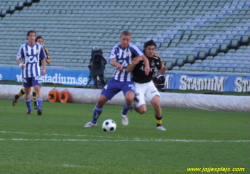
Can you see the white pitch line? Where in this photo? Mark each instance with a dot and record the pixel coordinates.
(122, 138)
(28, 133)
(129, 140)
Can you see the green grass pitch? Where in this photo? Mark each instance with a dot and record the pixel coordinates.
(56, 142)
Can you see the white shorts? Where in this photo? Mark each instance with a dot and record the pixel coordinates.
(145, 90)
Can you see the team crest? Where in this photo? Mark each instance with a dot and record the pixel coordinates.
(127, 53)
(153, 63)
(37, 51)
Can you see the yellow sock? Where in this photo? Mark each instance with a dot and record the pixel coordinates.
(158, 120)
(34, 95)
(22, 92)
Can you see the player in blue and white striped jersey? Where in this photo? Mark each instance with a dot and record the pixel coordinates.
(121, 56)
(28, 58)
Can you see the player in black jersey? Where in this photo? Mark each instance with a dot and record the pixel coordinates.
(144, 85)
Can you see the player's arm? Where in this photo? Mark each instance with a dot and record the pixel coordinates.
(114, 62)
(19, 57)
(161, 68)
(131, 66)
(146, 62)
(47, 59)
(43, 58)
(44, 66)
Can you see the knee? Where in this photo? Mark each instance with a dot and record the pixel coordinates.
(142, 111)
(100, 103)
(158, 105)
(37, 88)
(27, 90)
(129, 99)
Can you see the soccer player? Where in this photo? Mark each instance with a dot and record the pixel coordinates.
(144, 85)
(28, 58)
(40, 40)
(121, 56)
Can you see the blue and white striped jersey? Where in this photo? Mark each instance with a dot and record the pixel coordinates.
(124, 57)
(30, 56)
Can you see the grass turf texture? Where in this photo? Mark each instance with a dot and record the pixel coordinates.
(56, 142)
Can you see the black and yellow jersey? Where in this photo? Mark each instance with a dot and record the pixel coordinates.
(47, 55)
(139, 75)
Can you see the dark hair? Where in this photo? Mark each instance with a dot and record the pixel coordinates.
(31, 31)
(39, 37)
(126, 33)
(149, 43)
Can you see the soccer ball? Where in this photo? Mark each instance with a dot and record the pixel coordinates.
(109, 125)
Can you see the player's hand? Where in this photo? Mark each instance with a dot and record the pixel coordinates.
(43, 71)
(23, 66)
(119, 67)
(147, 70)
(163, 68)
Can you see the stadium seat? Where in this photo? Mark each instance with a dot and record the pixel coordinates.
(2, 13)
(176, 68)
(11, 9)
(201, 55)
(234, 44)
(190, 58)
(244, 40)
(28, 2)
(246, 70)
(169, 65)
(213, 51)
(206, 68)
(229, 69)
(214, 69)
(223, 47)
(20, 6)
(179, 62)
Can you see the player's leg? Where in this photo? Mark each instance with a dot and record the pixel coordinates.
(158, 112)
(153, 96)
(98, 109)
(16, 97)
(39, 98)
(27, 83)
(107, 93)
(28, 99)
(34, 98)
(128, 89)
(140, 105)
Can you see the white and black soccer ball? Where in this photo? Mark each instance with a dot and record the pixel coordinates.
(109, 125)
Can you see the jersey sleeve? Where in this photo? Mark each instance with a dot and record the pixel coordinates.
(46, 52)
(158, 63)
(135, 50)
(20, 53)
(113, 53)
(133, 59)
(42, 53)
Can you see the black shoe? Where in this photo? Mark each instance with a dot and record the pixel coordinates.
(15, 100)
(39, 112)
(29, 112)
